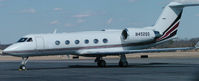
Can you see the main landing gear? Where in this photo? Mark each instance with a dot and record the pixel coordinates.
(122, 63)
(100, 62)
(22, 67)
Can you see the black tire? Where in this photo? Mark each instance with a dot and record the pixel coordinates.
(22, 67)
(101, 63)
(123, 64)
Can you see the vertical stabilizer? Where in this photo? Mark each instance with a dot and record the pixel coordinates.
(169, 20)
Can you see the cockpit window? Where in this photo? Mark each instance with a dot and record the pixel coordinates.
(22, 40)
(29, 40)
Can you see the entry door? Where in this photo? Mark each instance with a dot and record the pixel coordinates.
(39, 43)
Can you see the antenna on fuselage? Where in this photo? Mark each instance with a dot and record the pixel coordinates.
(55, 31)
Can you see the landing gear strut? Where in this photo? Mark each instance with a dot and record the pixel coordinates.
(22, 67)
(100, 62)
(123, 62)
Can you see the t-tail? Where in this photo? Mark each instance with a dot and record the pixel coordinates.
(169, 20)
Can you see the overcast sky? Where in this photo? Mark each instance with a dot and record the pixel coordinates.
(22, 17)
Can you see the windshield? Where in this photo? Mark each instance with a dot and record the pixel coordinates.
(29, 40)
(22, 40)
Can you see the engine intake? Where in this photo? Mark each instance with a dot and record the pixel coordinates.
(125, 34)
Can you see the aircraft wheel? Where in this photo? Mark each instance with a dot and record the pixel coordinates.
(123, 64)
(101, 63)
(22, 68)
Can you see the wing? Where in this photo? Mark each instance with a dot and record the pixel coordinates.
(139, 51)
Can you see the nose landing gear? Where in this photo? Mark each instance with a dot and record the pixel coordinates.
(22, 67)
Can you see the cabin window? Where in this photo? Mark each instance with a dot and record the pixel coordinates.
(67, 42)
(29, 40)
(95, 41)
(86, 41)
(105, 40)
(57, 42)
(77, 41)
(22, 40)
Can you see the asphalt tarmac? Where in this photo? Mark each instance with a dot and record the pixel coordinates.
(151, 69)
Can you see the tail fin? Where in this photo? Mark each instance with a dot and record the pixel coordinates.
(169, 20)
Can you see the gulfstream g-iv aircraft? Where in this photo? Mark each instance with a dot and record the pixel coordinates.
(103, 43)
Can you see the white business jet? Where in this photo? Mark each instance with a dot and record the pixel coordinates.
(103, 43)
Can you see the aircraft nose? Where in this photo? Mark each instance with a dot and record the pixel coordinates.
(9, 49)
(6, 51)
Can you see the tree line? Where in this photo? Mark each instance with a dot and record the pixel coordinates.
(179, 43)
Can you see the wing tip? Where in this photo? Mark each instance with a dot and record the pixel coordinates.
(197, 45)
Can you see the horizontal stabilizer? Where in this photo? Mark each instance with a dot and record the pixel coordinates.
(177, 4)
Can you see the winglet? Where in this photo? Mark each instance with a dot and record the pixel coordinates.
(197, 45)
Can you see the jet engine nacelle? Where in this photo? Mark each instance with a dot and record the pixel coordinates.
(135, 35)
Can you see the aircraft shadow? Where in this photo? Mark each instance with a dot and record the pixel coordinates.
(140, 65)
(145, 65)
